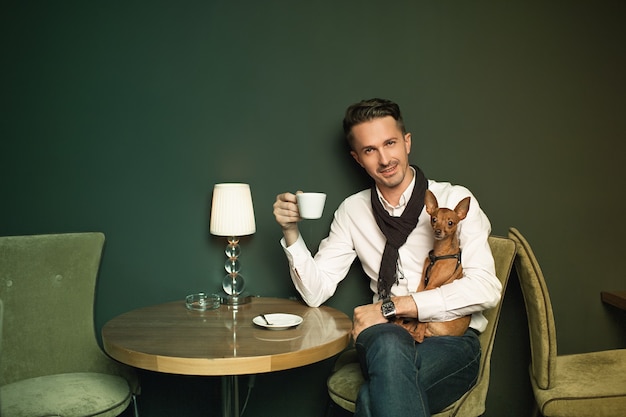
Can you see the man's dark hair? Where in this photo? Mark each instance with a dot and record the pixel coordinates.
(371, 109)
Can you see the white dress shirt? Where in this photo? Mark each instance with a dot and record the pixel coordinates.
(354, 232)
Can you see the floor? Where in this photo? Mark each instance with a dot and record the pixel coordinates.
(336, 411)
(333, 411)
(175, 395)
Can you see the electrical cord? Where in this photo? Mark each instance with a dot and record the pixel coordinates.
(251, 381)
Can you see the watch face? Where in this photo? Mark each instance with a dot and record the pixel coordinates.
(388, 308)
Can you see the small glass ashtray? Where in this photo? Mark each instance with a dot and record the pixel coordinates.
(202, 301)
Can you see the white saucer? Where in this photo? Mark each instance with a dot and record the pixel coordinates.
(280, 321)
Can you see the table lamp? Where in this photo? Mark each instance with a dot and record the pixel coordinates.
(232, 215)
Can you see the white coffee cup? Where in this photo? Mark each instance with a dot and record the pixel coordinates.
(311, 205)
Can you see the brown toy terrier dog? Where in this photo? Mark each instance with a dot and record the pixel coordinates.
(442, 266)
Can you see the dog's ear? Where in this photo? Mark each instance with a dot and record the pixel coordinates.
(462, 208)
(430, 201)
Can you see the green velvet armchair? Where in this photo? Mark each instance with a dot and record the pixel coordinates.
(579, 385)
(346, 379)
(50, 361)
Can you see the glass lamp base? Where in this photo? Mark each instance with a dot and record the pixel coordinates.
(235, 300)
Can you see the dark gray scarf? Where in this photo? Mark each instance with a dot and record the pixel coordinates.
(397, 230)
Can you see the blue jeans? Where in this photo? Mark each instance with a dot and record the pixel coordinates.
(404, 378)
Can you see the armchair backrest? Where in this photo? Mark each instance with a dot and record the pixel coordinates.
(1, 320)
(47, 283)
(541, 327)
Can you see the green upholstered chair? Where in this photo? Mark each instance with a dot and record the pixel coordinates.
(346, 379)
(1, 319)
(50, 362)
(584, 384)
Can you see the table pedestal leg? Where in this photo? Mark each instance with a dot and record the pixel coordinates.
(230, 396)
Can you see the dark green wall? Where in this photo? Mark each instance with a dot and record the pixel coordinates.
(120, 116)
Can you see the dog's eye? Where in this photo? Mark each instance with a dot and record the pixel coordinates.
(433, 220)
(450, 223)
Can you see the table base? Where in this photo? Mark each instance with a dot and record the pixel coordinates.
(230, 396)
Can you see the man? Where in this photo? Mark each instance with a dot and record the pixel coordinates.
(389, 230)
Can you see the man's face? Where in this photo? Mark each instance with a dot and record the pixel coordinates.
(381, 149)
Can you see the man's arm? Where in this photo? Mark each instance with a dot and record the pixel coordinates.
(316, 279)
(371, 314)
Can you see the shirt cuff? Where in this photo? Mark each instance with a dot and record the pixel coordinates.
(429, 305)
(297, 252)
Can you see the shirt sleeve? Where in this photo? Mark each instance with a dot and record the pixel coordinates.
(316, 278)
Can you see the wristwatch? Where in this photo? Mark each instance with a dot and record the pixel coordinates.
(388, 308)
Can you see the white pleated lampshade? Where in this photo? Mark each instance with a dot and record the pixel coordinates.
(232, 213)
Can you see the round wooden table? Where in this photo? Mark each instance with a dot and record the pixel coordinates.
(170, 338)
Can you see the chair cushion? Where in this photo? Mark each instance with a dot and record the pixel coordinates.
(66, 395)
(586, 384)
(344, 385)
